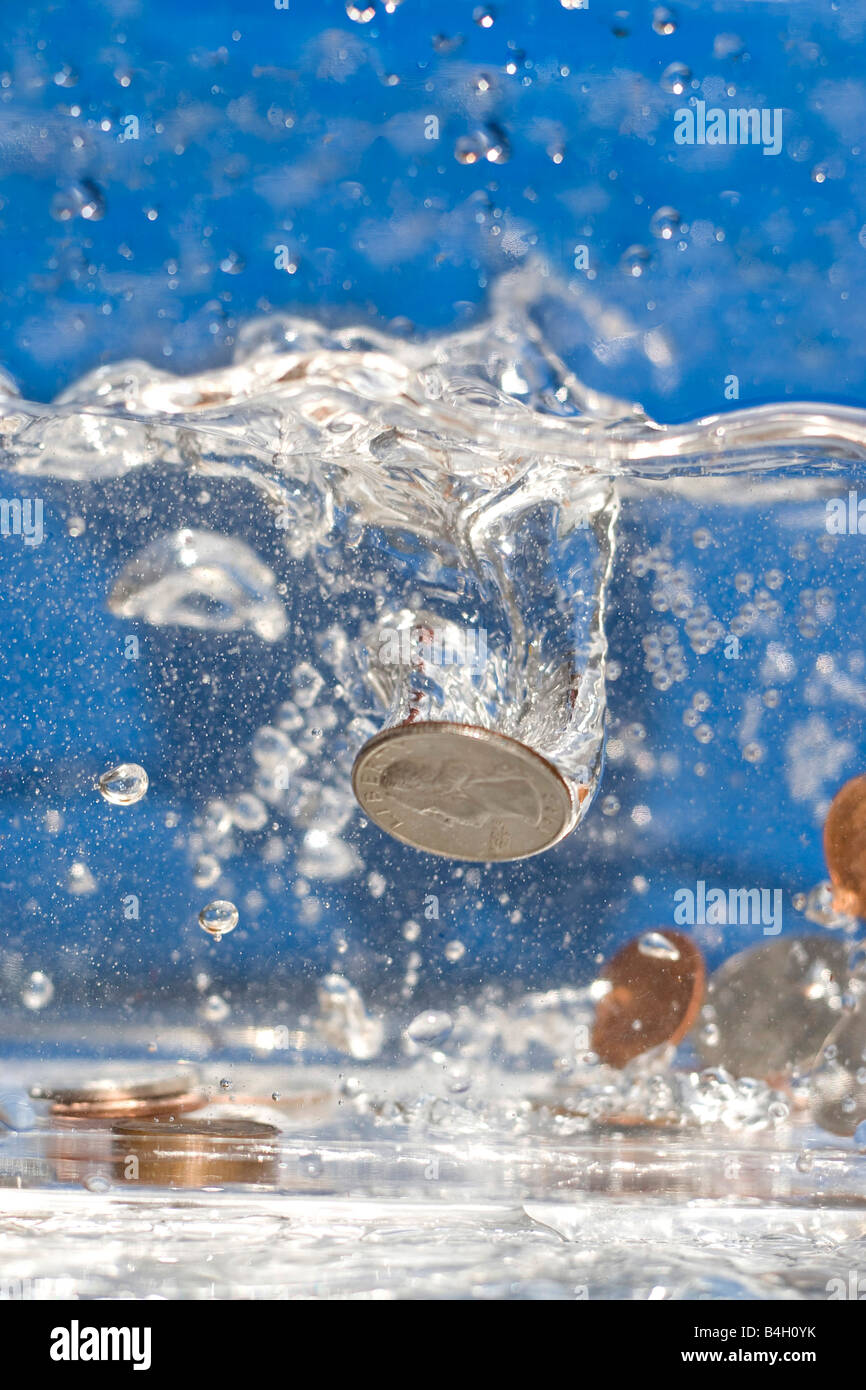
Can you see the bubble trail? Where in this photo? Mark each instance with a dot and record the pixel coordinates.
(124, 784)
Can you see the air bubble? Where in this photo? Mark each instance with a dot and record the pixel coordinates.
(124, 784)
(675, 78)
(431, 1028)
(664, 223)
(214, 1009)
(657, 946)
(664, 20)
(218, 918)
(634, 261)
(38, 991)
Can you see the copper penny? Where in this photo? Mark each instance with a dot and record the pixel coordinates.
(194, 1153)
(123, 1109)
(656, 991)
(845, 847)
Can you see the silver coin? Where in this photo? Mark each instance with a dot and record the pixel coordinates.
(462, 791)
(769, 1009)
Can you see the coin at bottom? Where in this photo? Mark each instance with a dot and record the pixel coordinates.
(194, 1153)
(462, 791)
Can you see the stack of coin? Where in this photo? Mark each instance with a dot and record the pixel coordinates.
(109, 1098)
(81, 1113)
(194, 1153)
(656, 987)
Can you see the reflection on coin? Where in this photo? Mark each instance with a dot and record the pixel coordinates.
(654, 996)
(194, 1153)
(770, 1008)
(462, 791)
(845, 847)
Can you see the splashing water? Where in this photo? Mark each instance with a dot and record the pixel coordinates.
(353, 507)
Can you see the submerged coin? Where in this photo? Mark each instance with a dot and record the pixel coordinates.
(117, 1109)
(845, 847)
(837, 1086)
(107, 1096)
(462, 791)
(770, 1008)
(195, 1153)
(654, 997)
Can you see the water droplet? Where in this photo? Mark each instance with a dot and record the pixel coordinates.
(83, 200)
(96, 1182)
(430, 1028)
(306, 685)
(857, 958)
(270, 746)
(484, 16)
(664, 20)
(654, 944)
(79, 880)
(65, 76)
(214, 1009)
(248, 812)
(664, 223)
(124, 784)
(728, 46)
(201, 580)
(38, 991)
(455, 950)
(819, 908)
(361, 14)
(489, 143)
(634, 261)
(675, 78)
(218, 918)
(232, 264)
(206, 871)
(344, 1021)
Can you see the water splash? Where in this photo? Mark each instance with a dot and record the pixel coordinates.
(201, 580)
